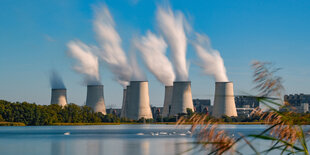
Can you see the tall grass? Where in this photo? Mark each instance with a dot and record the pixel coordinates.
(284, 130)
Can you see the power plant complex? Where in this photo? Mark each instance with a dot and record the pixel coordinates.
(174, 75)
(136, 100)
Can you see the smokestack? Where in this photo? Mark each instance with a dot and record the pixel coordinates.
(95, 98)
(59, 96)
(181, 97)
(167, 101)
(124, 103)
(224, 100)
(138, 101)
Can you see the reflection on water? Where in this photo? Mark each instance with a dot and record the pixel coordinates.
(115, 140)
(132, 146)
(58, 148)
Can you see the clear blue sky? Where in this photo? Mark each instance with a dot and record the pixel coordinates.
(34, 34)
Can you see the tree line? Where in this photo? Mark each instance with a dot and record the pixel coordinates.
(33, 114)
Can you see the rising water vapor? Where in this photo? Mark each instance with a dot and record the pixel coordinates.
(56, 81)
(172, 26)
(110, 50)
(153, 50)
(137, 73)
(211, 61)
(87, 63)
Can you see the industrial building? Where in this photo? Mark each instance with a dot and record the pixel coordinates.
(245, 105)
(114, 111)
(202, 106)
(246, 102)
(298, 102)
(156, 112)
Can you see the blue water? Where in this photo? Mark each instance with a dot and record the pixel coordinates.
(108, 139)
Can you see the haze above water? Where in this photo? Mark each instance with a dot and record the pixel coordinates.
(109, 139)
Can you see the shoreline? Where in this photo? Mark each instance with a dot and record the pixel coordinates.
(128, 123)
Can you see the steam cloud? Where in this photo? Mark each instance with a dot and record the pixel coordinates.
(137, 73)
(87, 61)
(56, 81)
(110, 46)
(172, 26)
(153, 50)
(211, 60)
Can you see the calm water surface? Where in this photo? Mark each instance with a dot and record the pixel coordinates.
(108, 139)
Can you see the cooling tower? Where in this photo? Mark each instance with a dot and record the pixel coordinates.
(59, 96)
(124, 103)
(138, 101)
(126, 110)
(167, 101)
(181, 98)
(224, 100)
(95, 98)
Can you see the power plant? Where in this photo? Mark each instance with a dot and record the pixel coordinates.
(167, 101)
(59, 96)
(136, 101)
(137, 104)
(95, 98)
(181, 98)
(224, 100)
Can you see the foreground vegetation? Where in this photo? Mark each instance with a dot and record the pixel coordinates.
(285, 132)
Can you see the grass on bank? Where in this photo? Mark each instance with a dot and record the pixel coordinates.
(127, 123)
(12, 124)
(77, 124)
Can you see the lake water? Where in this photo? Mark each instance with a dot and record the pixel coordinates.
(108, 139)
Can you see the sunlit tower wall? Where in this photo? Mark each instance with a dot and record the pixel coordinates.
(167, 101)
(181, 98)
(95, 98)
(224, 100)
(59, 97)
(139, 101)
(124, 103)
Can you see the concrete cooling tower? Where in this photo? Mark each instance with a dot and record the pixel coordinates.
(181, 98)
(126, 109)
(167, 101)
(224, 100)
(138, 101)
(124, 103)
(59, 96)
(95, 98)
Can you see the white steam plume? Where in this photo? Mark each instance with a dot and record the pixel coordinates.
(211, 60)
(110, 46)
(137, 73)
(56, 81)
(153, 50)
(87, 61)
(172, 26)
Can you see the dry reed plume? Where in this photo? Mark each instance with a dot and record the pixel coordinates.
(284, 130)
